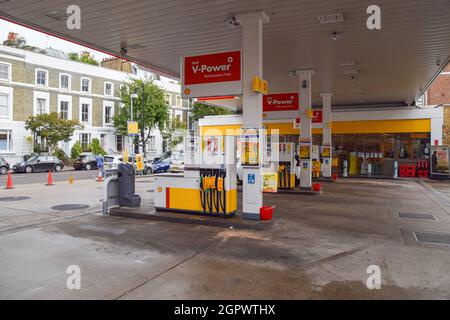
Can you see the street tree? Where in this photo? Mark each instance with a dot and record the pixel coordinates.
(51, 128)
(173, 133)
(201, 110)
(150, 109)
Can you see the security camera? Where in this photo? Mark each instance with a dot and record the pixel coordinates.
(123, 51)
(233, 22)
(292, 73)
(354, 78)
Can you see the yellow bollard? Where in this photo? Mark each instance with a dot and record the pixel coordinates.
(70, 179)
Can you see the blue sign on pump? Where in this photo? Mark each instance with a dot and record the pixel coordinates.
(251, 179)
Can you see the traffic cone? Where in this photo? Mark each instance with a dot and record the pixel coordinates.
(9, 182)
(99, 177)
(71, 179)
(49, 179)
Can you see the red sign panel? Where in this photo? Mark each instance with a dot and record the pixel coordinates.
(280, 102)
(317, 117)
(210, 68)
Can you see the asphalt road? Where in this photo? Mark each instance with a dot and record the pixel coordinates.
(29, 178)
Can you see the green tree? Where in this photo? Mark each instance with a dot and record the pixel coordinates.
(96, 148)
(51, 128)
(150, 109)
(201, 110)
(85, 57)
(76, 150)
(172, 133)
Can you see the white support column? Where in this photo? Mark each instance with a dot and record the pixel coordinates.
(304, 91)
(327, 141)
(252, 51)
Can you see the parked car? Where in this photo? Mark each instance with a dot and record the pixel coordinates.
(4, 166)
(112, 161)
(39, 164)
(177, 163)
(159, 166)
(85, 161)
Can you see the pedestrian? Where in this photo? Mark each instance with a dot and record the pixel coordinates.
(100, 165)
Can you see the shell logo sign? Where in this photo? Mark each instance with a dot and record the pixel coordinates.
(281, 102)
(212, 74)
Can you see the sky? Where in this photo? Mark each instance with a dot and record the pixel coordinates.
(42, 40)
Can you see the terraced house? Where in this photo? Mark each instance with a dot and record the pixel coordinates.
(33, 83)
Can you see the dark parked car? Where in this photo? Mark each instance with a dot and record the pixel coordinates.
(39, 164)
(4, 166)
(85, 161)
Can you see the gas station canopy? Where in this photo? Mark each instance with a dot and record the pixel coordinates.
(393, 65)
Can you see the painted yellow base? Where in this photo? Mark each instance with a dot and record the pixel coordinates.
(189, 200)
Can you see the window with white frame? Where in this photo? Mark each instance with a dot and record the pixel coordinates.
(85, 141)
(103, 141)
(84, 112)
(41, 106)
(109, 89)
(178, 102)
(64, 110)
(119, 143)
(5, 140)
(5, 69)
(4, 105)
(108, 115)
(64, 81)
(85, 85)
(41, 77)
(168, 99)
(151, 144)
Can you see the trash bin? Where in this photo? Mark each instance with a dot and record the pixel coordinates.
(127, 197)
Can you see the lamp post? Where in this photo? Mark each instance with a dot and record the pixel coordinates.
(132, 96)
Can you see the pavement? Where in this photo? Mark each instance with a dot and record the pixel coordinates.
(320, 247)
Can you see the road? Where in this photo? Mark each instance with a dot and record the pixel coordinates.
(29, 178)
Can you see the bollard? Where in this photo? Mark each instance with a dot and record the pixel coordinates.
(49, 179)
(9, 182)
(71, 179)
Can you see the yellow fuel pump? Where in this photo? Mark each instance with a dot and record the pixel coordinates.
(209, 183)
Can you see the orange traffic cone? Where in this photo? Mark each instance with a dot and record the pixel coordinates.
(49, 179)
(9, 182)
(99, 177)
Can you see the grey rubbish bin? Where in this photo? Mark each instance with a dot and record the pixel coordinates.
(127, 197)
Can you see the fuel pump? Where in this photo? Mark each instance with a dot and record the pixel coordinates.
(209, 183)
(286, 165)
(218, 175)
